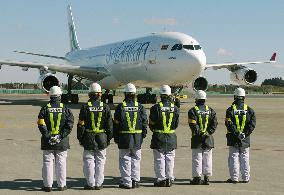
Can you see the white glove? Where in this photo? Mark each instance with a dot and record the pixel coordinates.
(242, 136)
(54, 140)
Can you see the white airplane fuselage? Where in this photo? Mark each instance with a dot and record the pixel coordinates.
(171, 58)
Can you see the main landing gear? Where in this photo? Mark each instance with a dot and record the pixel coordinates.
(107, 97)
(69, 97)
(147, 98)
(176, 91)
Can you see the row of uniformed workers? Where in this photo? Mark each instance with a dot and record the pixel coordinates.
(95, 129)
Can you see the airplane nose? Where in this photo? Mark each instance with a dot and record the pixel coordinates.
(196, 61)
(200, 58)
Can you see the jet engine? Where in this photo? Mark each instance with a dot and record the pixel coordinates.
(244, 76)
(200, 83)
(48, 80)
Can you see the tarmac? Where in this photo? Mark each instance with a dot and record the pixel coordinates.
(21, 157)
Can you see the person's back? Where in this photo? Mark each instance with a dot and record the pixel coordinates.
(55, 122)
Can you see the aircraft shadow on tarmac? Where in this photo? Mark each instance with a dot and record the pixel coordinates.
(78, 183)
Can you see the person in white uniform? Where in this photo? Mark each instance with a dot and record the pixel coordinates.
(94, 132)
(203, 123)
(129, 130)
(240, 122)
(55, 122)
(163, 121)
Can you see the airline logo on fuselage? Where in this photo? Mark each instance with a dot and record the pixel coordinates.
(128, 52)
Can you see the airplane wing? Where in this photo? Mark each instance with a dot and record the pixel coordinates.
(86, 72)
(237, 65)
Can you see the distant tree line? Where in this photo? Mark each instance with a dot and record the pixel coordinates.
(268, 86)
(274, 82)
(18, 86)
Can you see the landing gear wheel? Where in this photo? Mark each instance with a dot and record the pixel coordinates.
(147, 98)
(70, 98)
(107, 97)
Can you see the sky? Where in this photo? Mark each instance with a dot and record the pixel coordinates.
(228, 30)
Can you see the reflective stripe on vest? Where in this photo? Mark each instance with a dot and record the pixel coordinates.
(131, 127)
(167, 127)
(203, 128)
(240, 128)
(96, 128)
(55, 129)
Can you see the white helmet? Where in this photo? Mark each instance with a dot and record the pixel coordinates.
(95, 88)
(240, 92)
(200, 95)
(130, 88)
(55, 91)
(165, 90)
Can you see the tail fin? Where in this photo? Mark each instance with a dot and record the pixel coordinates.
(74, 44)
(273, 57)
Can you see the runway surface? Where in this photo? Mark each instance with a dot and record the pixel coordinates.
(21, 157)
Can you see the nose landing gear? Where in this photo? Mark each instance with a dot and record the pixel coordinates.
(147, 98)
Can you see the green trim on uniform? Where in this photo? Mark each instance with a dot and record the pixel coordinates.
(132, 126)
(55, 130)
(203, 128)
(167, 127)
(96, 128)
(240, 128)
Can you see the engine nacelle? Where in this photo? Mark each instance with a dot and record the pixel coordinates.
(46, 81)
(200, 83)
(244, 76)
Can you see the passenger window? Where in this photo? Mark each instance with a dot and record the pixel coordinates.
(190, 47)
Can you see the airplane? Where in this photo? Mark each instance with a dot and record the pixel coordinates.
(172, 58)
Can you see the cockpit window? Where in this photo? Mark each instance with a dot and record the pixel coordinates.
(176, 47)
(197, 47)
(164, 47)
(192, 47)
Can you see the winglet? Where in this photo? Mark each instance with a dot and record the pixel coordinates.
(273, 57)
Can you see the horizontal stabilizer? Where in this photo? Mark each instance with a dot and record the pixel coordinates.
(42, 55)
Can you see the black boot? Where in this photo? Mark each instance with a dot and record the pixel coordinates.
(47, 189)
(231, 181)
(160, 183)
(206, 180)
(196, 181)
(169, 182)
(135, 184)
